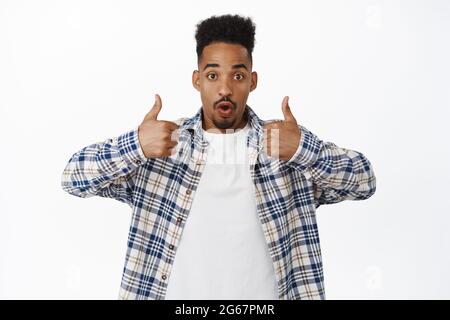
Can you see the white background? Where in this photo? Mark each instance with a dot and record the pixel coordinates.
(372, 76)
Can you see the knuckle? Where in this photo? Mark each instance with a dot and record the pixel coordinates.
(160, 153)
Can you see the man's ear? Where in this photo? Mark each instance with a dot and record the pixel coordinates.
(196, 80)
(254, 81)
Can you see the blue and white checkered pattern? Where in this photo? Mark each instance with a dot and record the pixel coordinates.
(160, 192)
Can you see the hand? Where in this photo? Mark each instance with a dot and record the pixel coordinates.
(281, 138)
(157, 138)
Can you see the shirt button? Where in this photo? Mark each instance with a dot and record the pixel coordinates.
(164, 277)
(171, 247)
(138, 162)
(188, 191)
(115, 175)
(179, 220)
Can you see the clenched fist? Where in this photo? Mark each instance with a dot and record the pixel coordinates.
(281, 138)
(157, 138)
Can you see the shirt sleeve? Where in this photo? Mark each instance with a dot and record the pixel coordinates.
(105, 169)
(337, 173)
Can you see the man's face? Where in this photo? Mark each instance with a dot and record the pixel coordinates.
(224, 79)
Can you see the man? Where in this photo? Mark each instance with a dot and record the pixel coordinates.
(205, 224)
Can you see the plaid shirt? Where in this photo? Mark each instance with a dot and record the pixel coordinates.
(160, 192)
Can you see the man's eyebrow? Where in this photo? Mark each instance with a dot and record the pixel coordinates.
(241, 65)
(235, 66)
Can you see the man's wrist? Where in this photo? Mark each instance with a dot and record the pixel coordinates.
(130, 148)
(307, 151)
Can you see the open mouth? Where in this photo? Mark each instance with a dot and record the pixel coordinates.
(225, 109)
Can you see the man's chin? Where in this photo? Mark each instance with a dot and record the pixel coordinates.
(224, 124)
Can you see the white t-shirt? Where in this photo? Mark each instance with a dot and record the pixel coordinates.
(223, 253)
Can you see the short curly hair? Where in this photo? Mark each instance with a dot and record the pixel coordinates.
(233, 29)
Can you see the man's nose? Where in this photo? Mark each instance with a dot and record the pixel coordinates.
(225, 89)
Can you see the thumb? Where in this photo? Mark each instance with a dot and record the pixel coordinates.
(154, 111)
(288, 116)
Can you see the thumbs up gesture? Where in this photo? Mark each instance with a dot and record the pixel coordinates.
(157, 138)
(281, 138)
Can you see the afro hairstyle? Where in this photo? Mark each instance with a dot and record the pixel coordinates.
(233, 29)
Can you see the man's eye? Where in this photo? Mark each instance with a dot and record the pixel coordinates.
(239, 76)
(211, 76)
